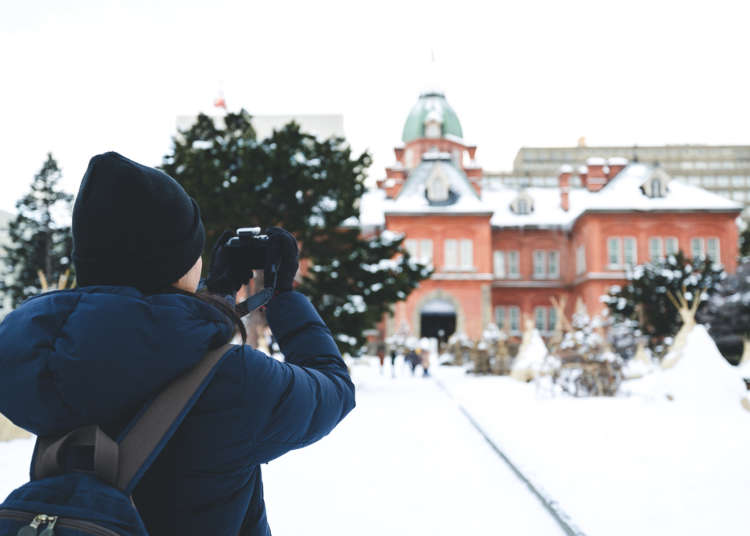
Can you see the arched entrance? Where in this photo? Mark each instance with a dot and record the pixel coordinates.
(437, 319)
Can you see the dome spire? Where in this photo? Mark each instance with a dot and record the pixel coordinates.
(432, 85)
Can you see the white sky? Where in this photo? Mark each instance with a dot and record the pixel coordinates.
(83, 77)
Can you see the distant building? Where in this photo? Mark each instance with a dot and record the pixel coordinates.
(322, 126)
(501, 253)
(723, 169)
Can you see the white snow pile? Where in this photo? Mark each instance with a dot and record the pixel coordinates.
(744, 368)
(530, 358)
(640, 365)
(700, 378)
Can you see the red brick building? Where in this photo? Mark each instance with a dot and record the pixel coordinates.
(500, 254)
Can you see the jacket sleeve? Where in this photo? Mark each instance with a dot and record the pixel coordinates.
(301, 400)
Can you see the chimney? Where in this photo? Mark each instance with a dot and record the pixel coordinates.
(596, 176)
(616, 164)
(564, 182)
(583, 174)
(399, 154)
(394, 180)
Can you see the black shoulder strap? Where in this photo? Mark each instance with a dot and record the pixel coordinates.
(123, 464)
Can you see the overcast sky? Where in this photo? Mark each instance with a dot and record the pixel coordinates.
(83, 77)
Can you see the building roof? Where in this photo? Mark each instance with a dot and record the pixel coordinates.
(413, 196)
(623, 193)
(431, 105)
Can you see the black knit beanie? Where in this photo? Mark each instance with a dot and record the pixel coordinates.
(133, 225)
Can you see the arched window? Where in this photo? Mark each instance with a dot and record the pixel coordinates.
(437, 188)
(523, 204)
(432, 129)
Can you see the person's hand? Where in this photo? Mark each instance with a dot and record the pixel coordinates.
(282, 257)
(229, 268)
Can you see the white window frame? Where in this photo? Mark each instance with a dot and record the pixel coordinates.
(632, 241)
(514, 264)
(425, 251)
(499, 264)
(412, 247)
(500, 316)
(539, 263)
(540, 319)
(700, 250)
(551, 318)
(522, 206)
(466, 254)
(614, 246)
(450, 250)
(655, 249)
(514, 316)
(712, 242)
(553, 264)
(671, 245)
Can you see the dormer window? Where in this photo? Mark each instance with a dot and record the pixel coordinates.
(523, 204)
(437, 187)
(657, 185)
(432, 129)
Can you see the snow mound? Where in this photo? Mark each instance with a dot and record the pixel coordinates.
(700, 378)
(530, 358)
(639, 365)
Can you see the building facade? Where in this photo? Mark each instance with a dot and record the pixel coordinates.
(501, 253)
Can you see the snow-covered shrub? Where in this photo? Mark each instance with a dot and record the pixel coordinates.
(584, 364)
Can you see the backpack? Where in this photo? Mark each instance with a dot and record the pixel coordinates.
(82, 481)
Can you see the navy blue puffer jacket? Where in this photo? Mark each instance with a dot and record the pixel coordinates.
(94, 355)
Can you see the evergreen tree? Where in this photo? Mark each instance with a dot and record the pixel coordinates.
(37, 242)
(644, 298)
(727, 313)
(745, 241)
(311, 188)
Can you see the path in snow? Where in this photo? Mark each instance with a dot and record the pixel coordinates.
(405, 462)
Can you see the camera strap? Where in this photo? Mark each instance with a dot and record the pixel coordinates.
(259, 299)
(254, 302)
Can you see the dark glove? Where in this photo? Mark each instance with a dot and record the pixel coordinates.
(229, 268)
(282, 259)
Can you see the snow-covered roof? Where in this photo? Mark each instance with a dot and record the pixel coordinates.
(623, 193)
(412, 198)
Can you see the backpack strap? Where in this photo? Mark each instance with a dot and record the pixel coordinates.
(123, 464)
(157, 424)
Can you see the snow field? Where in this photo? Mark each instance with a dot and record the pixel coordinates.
(620, 466)
(406, 461)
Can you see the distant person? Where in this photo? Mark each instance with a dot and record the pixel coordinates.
(381, 357)
(425, 363)
(393, 363)
(413, 359)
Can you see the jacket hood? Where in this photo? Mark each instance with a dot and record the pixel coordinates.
(94, 355)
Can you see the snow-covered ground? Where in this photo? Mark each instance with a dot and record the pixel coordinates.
(620, 466)
(406, 461)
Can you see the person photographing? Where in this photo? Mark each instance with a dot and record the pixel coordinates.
(95, 354)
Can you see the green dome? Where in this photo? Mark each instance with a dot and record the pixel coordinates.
(431, 104)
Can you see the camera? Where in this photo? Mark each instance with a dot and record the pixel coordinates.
(253, 244)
